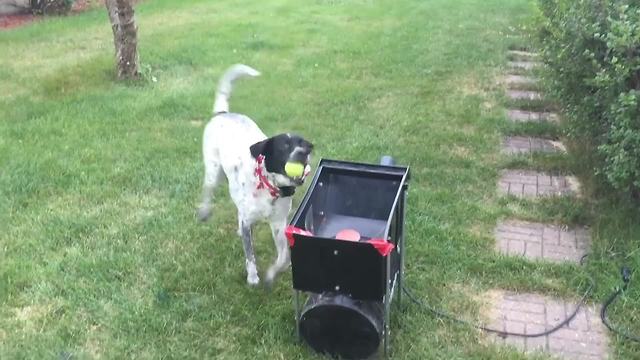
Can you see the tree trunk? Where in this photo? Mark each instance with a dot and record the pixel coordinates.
(125, 37)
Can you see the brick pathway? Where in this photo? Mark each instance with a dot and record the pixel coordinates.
(514, 145)
(519, 80)
(584, 338)
(525, 183)
(524, 65)
(524, 95)
(542, 241)
(523, 54)
(530, 116)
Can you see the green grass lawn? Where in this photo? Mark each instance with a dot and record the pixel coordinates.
(100, 252)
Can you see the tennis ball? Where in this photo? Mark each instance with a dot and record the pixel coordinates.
(294, 170)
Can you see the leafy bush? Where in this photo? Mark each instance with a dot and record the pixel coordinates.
(51, 7)
(592, 48)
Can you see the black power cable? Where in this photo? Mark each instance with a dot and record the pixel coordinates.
(626, 278)
(444, 315)
(501, 333)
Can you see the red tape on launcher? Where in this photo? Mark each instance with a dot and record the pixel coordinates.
(384, 247)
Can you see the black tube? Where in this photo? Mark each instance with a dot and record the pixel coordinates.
(626, 277)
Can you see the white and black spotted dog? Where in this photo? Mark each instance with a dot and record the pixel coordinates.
(254, 165)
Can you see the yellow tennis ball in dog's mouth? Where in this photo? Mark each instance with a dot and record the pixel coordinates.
(293, 169)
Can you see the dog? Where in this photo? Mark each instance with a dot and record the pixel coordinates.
(254, 165)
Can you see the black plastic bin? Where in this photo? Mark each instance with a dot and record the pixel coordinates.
(349, 284)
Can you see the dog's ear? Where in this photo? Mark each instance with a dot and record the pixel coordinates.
(260, 148)
(273, 161)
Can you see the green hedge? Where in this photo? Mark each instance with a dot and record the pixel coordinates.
(592, 49)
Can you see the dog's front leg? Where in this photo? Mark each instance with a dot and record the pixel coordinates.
(282, 247)
(250, 258)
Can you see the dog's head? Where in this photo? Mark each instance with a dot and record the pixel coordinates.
(280, 149)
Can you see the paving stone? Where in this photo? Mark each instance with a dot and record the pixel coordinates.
(542, 241)
(539, 343)
(560, 253)
(524, 54)
(581, 339)
(525, 65)
(532, 249)
(515, 304)
(531, 116)
(525, 297)
(528, 184)
(519, 80)
(546, 145)
(529, 190)
(524, 95)
(514, 145)
(515, 327)
(516, 247)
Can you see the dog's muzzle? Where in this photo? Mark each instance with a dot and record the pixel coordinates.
(300, 180)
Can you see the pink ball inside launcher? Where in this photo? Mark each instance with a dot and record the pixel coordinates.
(348, 234)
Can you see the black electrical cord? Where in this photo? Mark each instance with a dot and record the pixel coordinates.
(444, 315)
(626, 278)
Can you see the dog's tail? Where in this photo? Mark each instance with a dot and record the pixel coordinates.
(223, 93)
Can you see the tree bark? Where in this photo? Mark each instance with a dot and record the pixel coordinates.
(125, 37)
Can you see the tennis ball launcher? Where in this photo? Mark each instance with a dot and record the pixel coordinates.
(347, 251)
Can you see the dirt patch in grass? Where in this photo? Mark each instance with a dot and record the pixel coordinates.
(82, 5)
(92, 345)
(13, 21)
(29, 317)
(460, 151)
(487, 299)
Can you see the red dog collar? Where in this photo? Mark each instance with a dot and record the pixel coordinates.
(263, 181)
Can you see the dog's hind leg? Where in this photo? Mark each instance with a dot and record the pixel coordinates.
(212, 175)
(250, 258)
(282, 247)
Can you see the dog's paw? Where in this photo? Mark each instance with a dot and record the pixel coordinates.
(268, 285)
(270, 275)
(253, 280)
(270, 278)
(204, 212)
